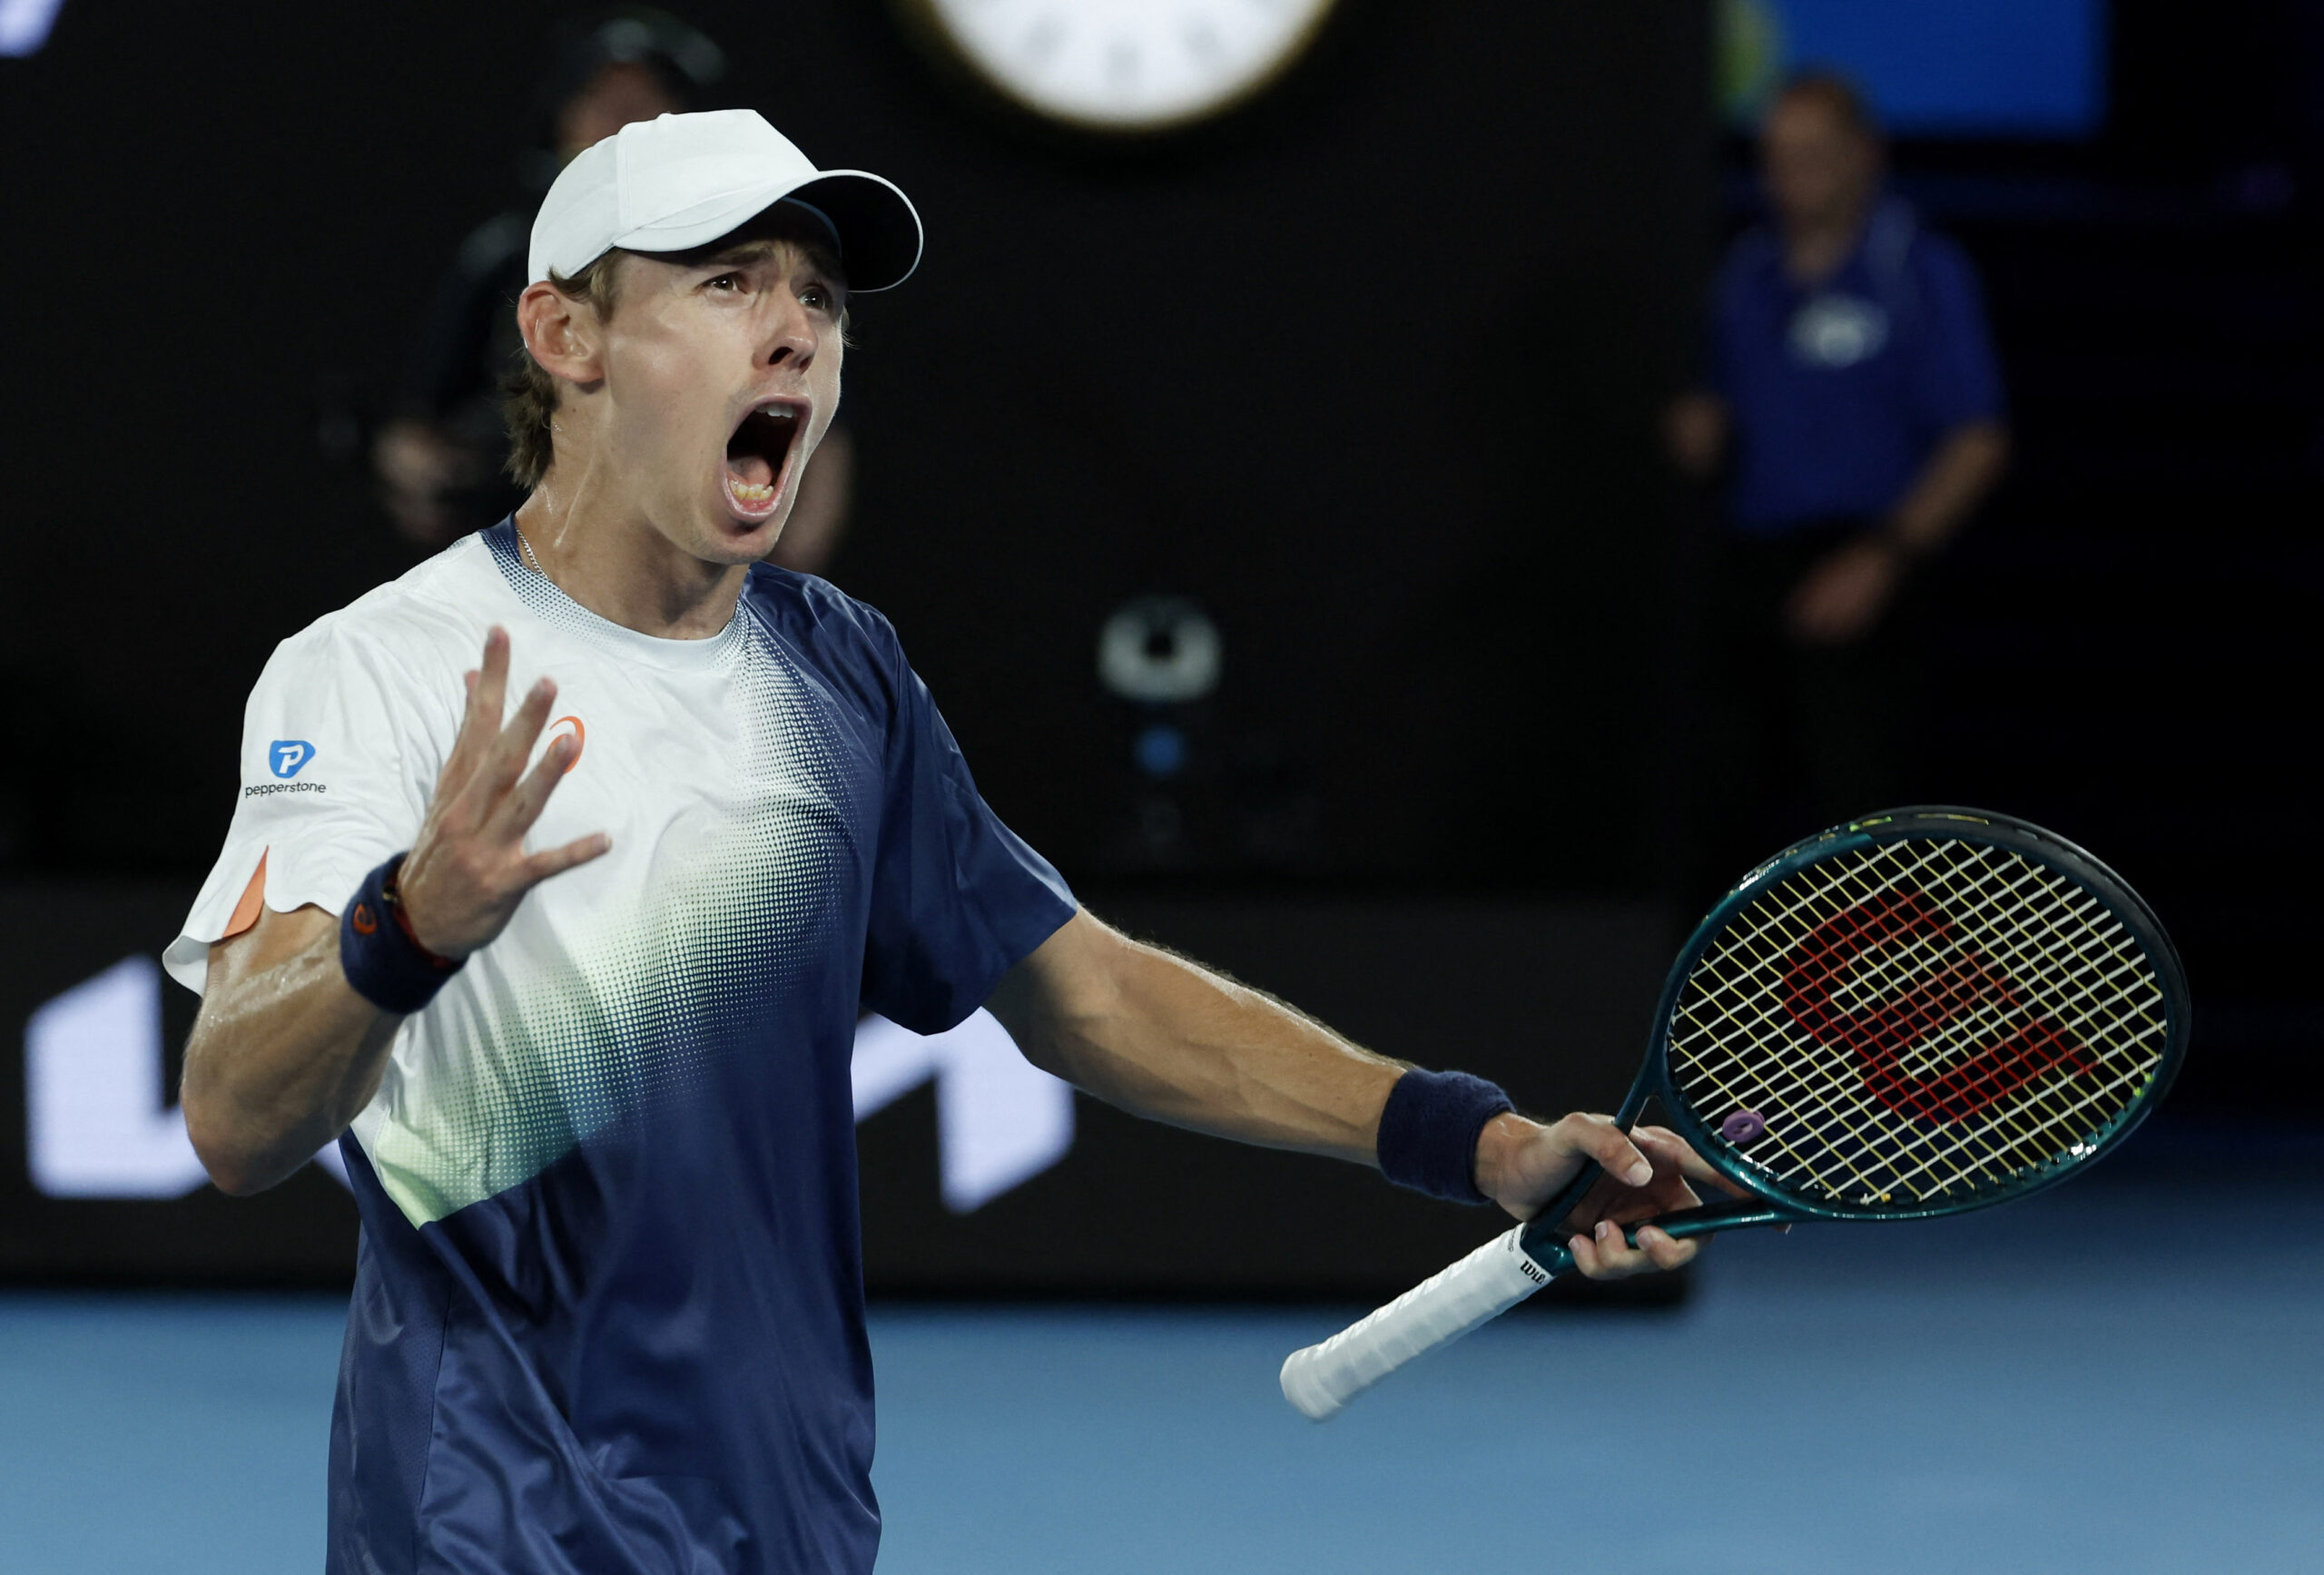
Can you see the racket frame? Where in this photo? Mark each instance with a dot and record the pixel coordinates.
(1770, 1202)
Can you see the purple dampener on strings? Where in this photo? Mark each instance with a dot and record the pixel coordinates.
(1743, 1127)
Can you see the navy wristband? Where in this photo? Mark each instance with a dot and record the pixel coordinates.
(384, 963)
(1428, 1133)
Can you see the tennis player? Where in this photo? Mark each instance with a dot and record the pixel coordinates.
(571, 967)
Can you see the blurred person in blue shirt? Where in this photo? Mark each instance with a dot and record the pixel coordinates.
(1853, 408)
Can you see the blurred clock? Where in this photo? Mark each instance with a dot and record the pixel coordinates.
(1124, 65)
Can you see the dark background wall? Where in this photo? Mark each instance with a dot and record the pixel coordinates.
(1550, 999)
(1368, 373)
(2131, 637)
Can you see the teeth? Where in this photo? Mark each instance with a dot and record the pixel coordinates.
(778, 413)
(747, 493)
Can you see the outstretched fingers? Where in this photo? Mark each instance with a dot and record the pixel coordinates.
(487, 691)
(490, 788)
(468, 869)
(516, 811)
(538, 867)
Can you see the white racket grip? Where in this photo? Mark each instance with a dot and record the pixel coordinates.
(1438, 1311)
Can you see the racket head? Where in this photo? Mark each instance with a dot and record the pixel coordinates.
(1921, 1012)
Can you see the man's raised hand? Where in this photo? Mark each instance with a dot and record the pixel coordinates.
(468, 870)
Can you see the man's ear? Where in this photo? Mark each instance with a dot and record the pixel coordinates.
(563, 334)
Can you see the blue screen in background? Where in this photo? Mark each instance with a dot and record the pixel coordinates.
(1973, 68)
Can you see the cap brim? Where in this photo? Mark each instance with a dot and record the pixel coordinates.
(879, 229)
(880, 237)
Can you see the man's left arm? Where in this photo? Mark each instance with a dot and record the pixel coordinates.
(1167, 1039)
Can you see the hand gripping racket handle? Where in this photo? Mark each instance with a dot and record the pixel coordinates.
(1438, 1311)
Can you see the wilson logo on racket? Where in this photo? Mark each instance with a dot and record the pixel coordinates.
(1880, 1034)
(1762, 1028)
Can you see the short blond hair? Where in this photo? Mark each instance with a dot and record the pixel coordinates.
(528, 395)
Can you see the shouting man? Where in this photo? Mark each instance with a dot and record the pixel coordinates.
(571, 969)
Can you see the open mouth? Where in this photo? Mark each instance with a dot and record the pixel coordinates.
(757, 456)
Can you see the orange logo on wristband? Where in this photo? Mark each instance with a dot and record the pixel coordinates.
(580, 737)
(365, 924)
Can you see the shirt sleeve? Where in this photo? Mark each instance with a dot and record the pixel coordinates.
(336, 772)
(1958, 377)
(957, 898)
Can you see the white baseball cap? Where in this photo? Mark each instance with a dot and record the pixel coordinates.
(684, 180)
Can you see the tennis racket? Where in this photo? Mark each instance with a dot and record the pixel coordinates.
(1919, 1013)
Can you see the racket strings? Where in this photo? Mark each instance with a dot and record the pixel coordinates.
(1985, 1075)
(1924, 1151)
(1918, 1020)
(1868, 1182)
(1883, 1081)
(1927, 1000)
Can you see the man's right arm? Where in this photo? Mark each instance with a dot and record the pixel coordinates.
(285, 1053)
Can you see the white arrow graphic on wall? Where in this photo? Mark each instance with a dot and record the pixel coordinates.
(25, 24)
(1000, 1119)
(99, 1123)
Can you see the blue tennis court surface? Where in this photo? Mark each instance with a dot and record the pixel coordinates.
(2123, 1377)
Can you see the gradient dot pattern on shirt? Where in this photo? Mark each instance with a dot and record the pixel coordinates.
(603, 1017)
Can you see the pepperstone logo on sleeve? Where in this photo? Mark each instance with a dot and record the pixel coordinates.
(286, 758)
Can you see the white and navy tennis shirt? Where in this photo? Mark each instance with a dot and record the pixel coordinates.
(608, 1310)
